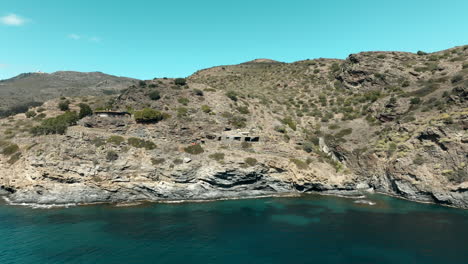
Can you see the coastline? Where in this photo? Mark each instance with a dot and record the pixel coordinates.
(357, 195)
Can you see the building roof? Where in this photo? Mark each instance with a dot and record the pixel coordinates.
(112, 112)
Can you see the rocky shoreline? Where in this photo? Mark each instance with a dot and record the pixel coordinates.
(78, 194)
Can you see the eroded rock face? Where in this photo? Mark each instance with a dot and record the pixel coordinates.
(188, 182)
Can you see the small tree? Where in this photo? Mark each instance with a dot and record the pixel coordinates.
(232, 95)
(55, 125)
(112, 155)
(154, 95)
(415, 101)
(30, 114)
(85, 110)
(180, 81)
(64, 105)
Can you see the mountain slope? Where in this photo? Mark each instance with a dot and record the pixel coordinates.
(30, 88)
(391, 122)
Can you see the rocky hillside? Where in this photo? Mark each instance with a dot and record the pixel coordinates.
(32, 89)
(390, 122)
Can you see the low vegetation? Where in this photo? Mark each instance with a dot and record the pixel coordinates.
(85, 110)
(194, 149)
(250, 161)
(56, 125)
(115, 140)
(64, 105)
(154, 95)
(218, 156)
(141, 143)
(148, 115)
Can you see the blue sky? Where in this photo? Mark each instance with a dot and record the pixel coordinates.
(148, 39)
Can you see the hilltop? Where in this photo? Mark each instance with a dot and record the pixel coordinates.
(392, 122)
(32, 89)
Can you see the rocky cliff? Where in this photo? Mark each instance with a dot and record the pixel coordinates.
(390, 122)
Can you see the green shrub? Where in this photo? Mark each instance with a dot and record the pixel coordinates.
(64, 105)
(232, 95)
(206, 109)
(154, 95)
(198, 92)
(194, 149)
(344, 132)
(142, 83)
(458, 176)
(372, 96)
(98, 142)
(40, 116)
(4, 143)
(141, 143)
(183, 101)
(243, 110)
(56, 125)
(391, 148)
(181, 112)
(300, 164)
(180, 81)
(10, 149)
(457, 78)
(218, 156)
(246, 145)
(85, 110)
(280, 129)
(112, 155)
(421, 53)
(428, 89)
(379, 76)
(250, 161)
(334, 67)
(290, 122)
(415, 101)
(13, 159)
(40, 109)
(238, 121)
(418, 160)
(116, 140)
(30, 114)
(148, 115)
(157, 161)
(308, 147)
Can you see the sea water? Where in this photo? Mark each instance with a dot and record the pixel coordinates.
(305, 229)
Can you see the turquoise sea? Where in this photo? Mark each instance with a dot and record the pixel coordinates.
(306, 229)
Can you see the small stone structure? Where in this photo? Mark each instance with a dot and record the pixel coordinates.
(232, 136)
(239, 138)
(112, 114)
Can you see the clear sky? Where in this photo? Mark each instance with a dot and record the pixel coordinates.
(148, 39)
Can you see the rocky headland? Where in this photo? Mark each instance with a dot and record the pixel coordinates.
(389, 122)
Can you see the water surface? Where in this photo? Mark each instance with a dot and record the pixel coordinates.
(307, 229)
